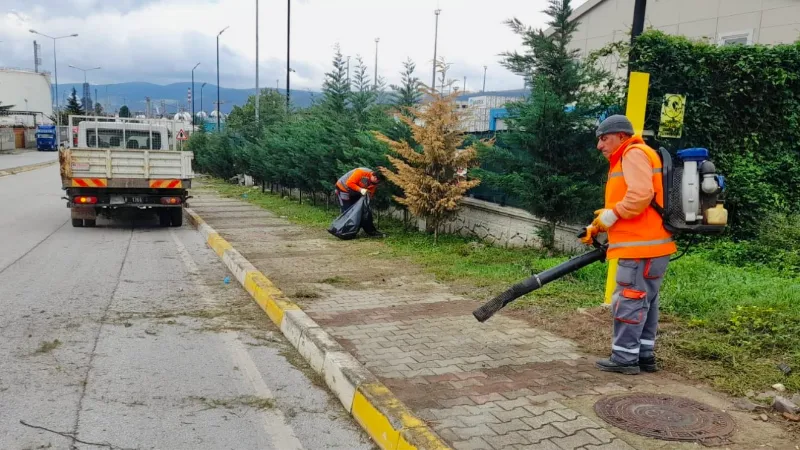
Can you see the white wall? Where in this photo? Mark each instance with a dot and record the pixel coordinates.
(18, 85)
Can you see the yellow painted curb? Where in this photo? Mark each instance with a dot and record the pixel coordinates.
(389, 422)
(218, 244)
(268, 297)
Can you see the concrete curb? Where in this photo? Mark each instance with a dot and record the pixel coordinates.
(20, 169)
(382, 415)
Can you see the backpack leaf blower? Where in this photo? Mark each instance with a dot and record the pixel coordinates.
(538, 280)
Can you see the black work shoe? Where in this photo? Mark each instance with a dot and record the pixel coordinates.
(609, 365)
(377, 235)
(648, 364)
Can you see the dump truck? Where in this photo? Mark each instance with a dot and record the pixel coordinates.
(123, 166)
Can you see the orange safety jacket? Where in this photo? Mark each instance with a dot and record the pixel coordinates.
(355, 180)
(644, 235)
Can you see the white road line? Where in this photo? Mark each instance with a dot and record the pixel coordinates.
(281, 434)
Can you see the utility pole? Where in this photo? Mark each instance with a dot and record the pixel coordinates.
(375, 81)
(257, 93)
(96, 98)
(464, 86)
(288, 47)
(192, 93)
(484, 78)
(638, 26)
(219, 112)
(435, 44)
(348, 70)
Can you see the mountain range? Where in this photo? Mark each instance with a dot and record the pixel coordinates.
(174, 96)
(134, 95)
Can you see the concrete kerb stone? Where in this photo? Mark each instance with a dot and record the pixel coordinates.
(376, 409)
(20, 169)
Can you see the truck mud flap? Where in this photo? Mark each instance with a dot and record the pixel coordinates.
(83, 212)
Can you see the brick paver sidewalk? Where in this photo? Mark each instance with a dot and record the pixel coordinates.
(498, 385)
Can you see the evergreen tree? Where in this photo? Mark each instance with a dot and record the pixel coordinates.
(271, 110)
(124, 111)
(98, 109)
(336, 87)
(73, 105)
(550, 162)
(364, 96)
(431, 179)
(408, 93)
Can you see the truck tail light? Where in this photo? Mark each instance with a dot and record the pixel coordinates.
(170, 200)
(85, 200)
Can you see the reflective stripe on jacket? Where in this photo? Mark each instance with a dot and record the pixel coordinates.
(355, 180)
(644, 235)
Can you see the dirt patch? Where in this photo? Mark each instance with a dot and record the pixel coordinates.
(246, 401)
(47, 347)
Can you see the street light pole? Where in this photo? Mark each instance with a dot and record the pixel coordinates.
(435, 45)
(375, 82)
(484, 78)
(55, 70)
(257, 92)
(288, 53)
(195, 67)
(219, 110)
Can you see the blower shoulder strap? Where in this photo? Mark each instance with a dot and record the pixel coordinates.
(659, 209)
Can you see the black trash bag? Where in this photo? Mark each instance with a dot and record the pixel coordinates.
(346, 226)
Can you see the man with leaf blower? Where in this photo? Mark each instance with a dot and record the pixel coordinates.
(637, 238)
(648, 200)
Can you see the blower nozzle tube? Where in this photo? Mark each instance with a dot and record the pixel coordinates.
(536, 281)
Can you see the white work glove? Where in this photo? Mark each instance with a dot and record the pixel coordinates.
(605, 219)
(364, 191)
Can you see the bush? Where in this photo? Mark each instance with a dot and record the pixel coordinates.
(742, 104)
(777, 246)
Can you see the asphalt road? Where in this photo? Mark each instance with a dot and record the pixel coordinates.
(125, 336)
(20, 158)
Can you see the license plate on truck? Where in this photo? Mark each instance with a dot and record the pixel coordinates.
(122, 199)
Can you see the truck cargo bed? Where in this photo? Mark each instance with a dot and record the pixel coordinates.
(124, 164)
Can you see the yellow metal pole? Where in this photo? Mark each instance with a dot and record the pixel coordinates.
(638, 85)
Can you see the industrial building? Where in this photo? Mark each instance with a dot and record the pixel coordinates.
(25, 101)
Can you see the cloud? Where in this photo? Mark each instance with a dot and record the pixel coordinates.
(160, 41)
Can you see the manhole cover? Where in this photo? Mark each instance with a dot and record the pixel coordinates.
(666, 417)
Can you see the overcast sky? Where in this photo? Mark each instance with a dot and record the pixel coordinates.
(159, 41)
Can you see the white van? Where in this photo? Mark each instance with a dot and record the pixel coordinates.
(125, 135)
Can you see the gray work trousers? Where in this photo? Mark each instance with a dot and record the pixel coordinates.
(635, 308)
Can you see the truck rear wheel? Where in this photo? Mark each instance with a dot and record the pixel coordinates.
(77, 223)
(91, 223)
(176, 216)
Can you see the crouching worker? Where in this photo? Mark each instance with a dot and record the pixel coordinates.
(637, 238)
(351, 187)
